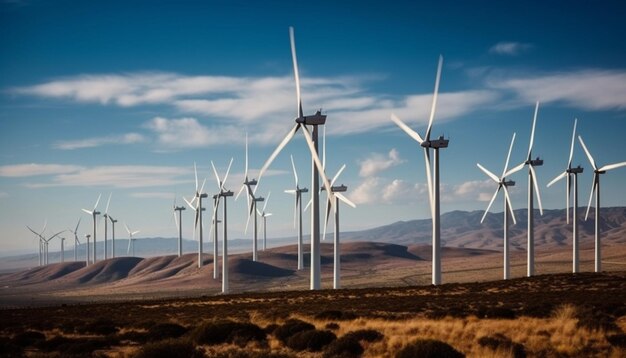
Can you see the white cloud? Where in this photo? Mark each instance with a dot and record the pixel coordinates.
(188, 132)
(366, 192)
(474, 190)
(509, 48)
(378, 162)
(128, 138)
(34, 169)
(587, 89)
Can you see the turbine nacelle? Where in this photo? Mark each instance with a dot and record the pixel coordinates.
(317, 119)
(250, 182)
(535, 163)
(576, 170)
(436, 143)
(508, 183)
(226, 193)
(339, 189)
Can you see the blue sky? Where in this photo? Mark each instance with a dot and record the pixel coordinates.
(123, 97)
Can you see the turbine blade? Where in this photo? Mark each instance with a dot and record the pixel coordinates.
(250, 212)
(326, 220)
(318, 164)
(189, 204)
(217, 177)
(195, 172)
(593, 162)
(87, 211)
(295, 210)
(489, 174)
(536, 185)
(136, 232)
(345, 200)
(45, 224)
(292, 38)
(33, 231)
(176, 221)
(515, 170)
(508, 204)
(308, 204)
(127, 229)
(429, 181)
(106, 210)
(324, 147)
(508, 157)
(267, 215)
(568, 191)
(280, 147)
(413, 134)
(290, 191)
(267, 198)
(612, 166)
(593, 191)
(97, 201)
(227, 172)
(559, 177)
(532, 132)
(493, 198)
(239, 193)
(295, 174)
(435, 93)
(202, 187)
(337, 175)
(571, 149)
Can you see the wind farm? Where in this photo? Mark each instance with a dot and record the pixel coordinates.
(421, 262)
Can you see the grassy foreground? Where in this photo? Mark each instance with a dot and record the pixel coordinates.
(561, 315)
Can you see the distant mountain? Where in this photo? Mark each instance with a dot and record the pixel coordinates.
(460, 229)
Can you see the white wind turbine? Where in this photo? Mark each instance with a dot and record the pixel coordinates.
(569, 171)
(532, 184)
(62, 249)
(433, 180)
(93, 214)
(76, 241)
(264, 214)
(297, 212)
(311, 138)
(252, 200)
(113, 221)
(503, 184)
(131, 240)
(595, 190)
(337, 191)
(106, 217)
(199, 195)
(46, 242)
(179, 226)
(39, 236)
(223, 193)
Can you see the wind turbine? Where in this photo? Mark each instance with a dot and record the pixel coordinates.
(264, 214)
(569, 171)
(337, 190)
(433, 189)
(40, 237)
(106, 216)
(113, 221)
(503, 184)
(62, 249)
(224, 194)
(76, 241)
(252, 200)
(532, 183)
(46, 242)
(179, 226)
(317, 169)
(131, 240)
(87, 236)
(93, 214)
(297, 212)
(199, 195)
(595, 189)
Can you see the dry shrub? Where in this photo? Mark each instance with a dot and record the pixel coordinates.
(332, 326)
(335, 315)
(228, 332)
(28, 338)
(9, 349)
(500, 342)
(165, 330)
(291, 327)
(344, 347)
(169, 348)
(617, 340)
(367, 335)
(592, 319)
(312, 340)
(429, 348)
(101, 326)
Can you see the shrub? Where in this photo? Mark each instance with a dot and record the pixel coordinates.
(133, 336)
(617, 340)
(312, 340)
(595, 320)
(332, 326)
(165, 330)
(227, 332)
(84, 347)
(290, 328)
(169, 348)
(496, 312)
(54, 343)
(335, 315)
(344, 347)
(9, 349)
(367, 335)
(270, 328)
(28, 338)
(500, 341)
(102, 327)
(429, 348)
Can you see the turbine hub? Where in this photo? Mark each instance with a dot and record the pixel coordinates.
(576, 170)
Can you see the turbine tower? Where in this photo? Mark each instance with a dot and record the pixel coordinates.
(569, 171)
(264, 214)
(179, 226)
(337, 191)
(532, 184)
(87, 236)
(40, 239)
(223, 193)
(131, 240)
(76, 241)
(432, 179)
(317, 169)
(62, 249)
(214, 231)
(113, 221)
(503, 184)
(252, 200)
(199, 195)
(297, 212)
(595, 189)
(93, 214)
(106, 216)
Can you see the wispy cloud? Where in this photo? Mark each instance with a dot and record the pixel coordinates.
(509, 48)
(128, 138)
(378, 162)
(34, 169)
(592, 89)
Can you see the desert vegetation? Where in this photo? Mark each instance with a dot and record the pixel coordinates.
(545, 316)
